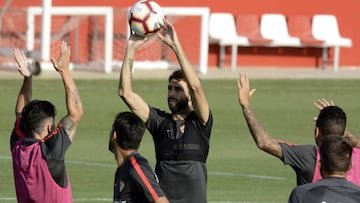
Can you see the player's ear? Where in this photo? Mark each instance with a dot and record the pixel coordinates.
(112, 140)
(113, 135)
(317, 135)
(317, 132)
(50, 127)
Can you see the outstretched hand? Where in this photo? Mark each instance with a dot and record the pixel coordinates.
(23, 63)
(244, 91)
(63, 63)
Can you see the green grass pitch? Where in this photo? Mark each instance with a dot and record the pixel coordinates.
(238, 171)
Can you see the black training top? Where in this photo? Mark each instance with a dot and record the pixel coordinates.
(181, 150)
(136, 182)
(328, 190)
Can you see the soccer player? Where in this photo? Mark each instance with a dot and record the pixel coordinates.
(302, 158)
(181, 137)
(38, 146)
(335, 152)
(135, 180)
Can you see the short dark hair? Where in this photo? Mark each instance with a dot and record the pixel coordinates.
(335, 154)
(331, 121)
(129, 129)
(34, 114)
(177, 75)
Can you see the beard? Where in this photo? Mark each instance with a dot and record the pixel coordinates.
(178, 106)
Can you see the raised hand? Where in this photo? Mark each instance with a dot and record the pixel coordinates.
(168, 34)
(63, 63)
(135, 41)
(244, 91)
(24, 68)
(322, 103)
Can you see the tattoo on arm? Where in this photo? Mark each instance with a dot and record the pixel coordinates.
(260, 136)
(76, 96)
(131, 63)
(255, 128)
(68, 124)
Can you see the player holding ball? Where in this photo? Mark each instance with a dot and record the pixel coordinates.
(181, 137)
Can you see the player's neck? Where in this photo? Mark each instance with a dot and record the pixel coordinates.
(180, 116)
(40, 136)
(122, 154)
(126, 153)
(336, 175)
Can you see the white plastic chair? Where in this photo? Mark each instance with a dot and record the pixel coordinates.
(222, 31)
(274, 27)
(325, 27)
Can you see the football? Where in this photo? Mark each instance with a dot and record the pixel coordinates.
(145, 17)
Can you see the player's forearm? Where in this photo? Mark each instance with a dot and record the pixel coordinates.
(134, 101)
(24, 96)
(126, 73)
(188, 68)
(199, 100)
(257, 131)
(260, 136)
(72, 97)
(354, 140)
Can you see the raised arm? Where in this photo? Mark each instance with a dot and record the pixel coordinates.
(260, 136)
(198, 97)
(354, 139)
(25, 93)
(125, 91)
(72, 96)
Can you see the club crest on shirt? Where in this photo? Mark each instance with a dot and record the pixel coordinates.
(121, 186)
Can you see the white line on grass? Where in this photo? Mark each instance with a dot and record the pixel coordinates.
(91, 164)
(247, 175)
(210, 172)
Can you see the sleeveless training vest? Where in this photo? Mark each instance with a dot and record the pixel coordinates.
(353, 175)
(33, 180)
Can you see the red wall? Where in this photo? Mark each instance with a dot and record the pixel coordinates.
(346, 11)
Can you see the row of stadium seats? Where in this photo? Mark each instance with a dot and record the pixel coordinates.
(276, 30)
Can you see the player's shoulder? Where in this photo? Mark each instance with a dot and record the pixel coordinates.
(356, 150)
(138, 159)
(292, 144)
(139, 166)
(159, 112)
